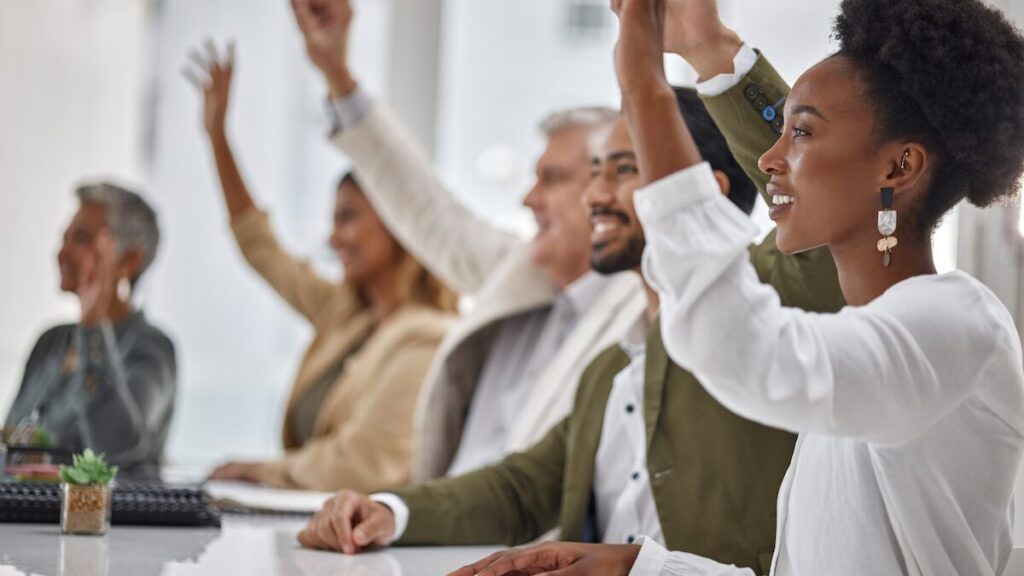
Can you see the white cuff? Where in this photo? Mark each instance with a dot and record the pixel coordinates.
(675, 192)
(398, 508)
(348, 111)
(651, 559)
(742, 63)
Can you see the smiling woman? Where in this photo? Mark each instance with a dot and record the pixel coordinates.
(908, 401)
(108, 381)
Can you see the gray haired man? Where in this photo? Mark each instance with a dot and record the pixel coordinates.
(508, 371)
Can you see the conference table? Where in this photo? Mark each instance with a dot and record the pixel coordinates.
(253, 546)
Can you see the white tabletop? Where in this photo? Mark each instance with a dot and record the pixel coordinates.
(255, 547)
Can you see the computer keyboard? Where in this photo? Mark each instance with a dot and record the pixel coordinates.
(134, 503)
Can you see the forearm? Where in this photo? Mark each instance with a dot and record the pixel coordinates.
(423, 214)
(715, 54)
(512, 502)
(120, 402)
(236, 195)
(663, 142)
(483, 507)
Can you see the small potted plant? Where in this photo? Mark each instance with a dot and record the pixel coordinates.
(86, 486)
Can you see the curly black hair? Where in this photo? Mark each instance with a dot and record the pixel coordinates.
(948, 74)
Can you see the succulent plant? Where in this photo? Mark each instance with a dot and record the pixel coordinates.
(88, 468)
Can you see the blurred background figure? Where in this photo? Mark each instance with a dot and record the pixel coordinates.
(106, 382)
(349, 418)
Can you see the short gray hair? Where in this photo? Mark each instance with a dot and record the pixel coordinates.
(589, 118)
(132, 221)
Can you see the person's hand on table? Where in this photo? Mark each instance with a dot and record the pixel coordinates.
(349, 522)
(240, 471)
(557, 559)
(325, 26)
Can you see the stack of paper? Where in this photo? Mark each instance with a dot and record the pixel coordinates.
(252, 498)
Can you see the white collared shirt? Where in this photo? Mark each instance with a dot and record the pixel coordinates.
(910, 409)
(522, 350)
(622, 487)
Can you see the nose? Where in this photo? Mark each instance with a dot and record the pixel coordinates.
(335, 240)
(773, 161)
(532, 198)
(598, 193)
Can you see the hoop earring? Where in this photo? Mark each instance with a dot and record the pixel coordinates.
(887, 227)
(124, 289)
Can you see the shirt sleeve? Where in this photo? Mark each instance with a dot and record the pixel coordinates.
(348, 111)
(742, 64)
(398, 508)
(655, 560)
(879, 373)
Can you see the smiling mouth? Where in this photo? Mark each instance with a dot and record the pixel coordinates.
(781, 199)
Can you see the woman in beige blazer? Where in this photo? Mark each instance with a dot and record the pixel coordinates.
(349, 419)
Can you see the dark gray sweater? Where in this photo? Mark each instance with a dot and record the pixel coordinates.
(106, 388)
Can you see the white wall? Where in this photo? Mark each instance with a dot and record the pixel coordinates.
(70, 106)
(93, 87)
(239, 344)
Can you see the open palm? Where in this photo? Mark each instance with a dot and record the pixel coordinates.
(211, 73)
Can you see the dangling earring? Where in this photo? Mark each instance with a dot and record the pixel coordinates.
(886, 227)
(124, 289)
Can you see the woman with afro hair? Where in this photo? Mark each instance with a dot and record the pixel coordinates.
(909, 403)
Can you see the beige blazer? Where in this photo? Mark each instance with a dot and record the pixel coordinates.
(474, 258)
(362, 436)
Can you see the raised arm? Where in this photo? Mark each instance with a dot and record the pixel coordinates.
(132, 387)
(398, 178)
(293, 279)
(820, 373)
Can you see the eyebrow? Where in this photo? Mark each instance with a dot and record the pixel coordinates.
(805, 109)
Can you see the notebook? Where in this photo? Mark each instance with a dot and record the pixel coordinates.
(134, 503)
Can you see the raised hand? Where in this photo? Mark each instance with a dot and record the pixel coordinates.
(557, 559)
(694, 31)
(211, 74)
(639, 64)
(663, 142)
(349, 522)
(96, 283)
(325, 26)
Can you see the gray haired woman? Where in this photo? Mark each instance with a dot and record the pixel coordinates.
(106, 382)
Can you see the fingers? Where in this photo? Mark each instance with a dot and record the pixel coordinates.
(309, 536)
(531, 559)
(196, 79)
(472, 569)
(230, 63)
(376, 528)
(303, 15)
(211, 54)
(341, 522)
(323, 526)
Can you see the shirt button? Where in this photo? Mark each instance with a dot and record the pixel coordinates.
(635, 476)
(631, 539)
(630, 408)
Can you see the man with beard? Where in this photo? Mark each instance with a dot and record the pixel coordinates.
(645, 450)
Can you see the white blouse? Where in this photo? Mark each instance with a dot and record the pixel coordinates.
(910, 409)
